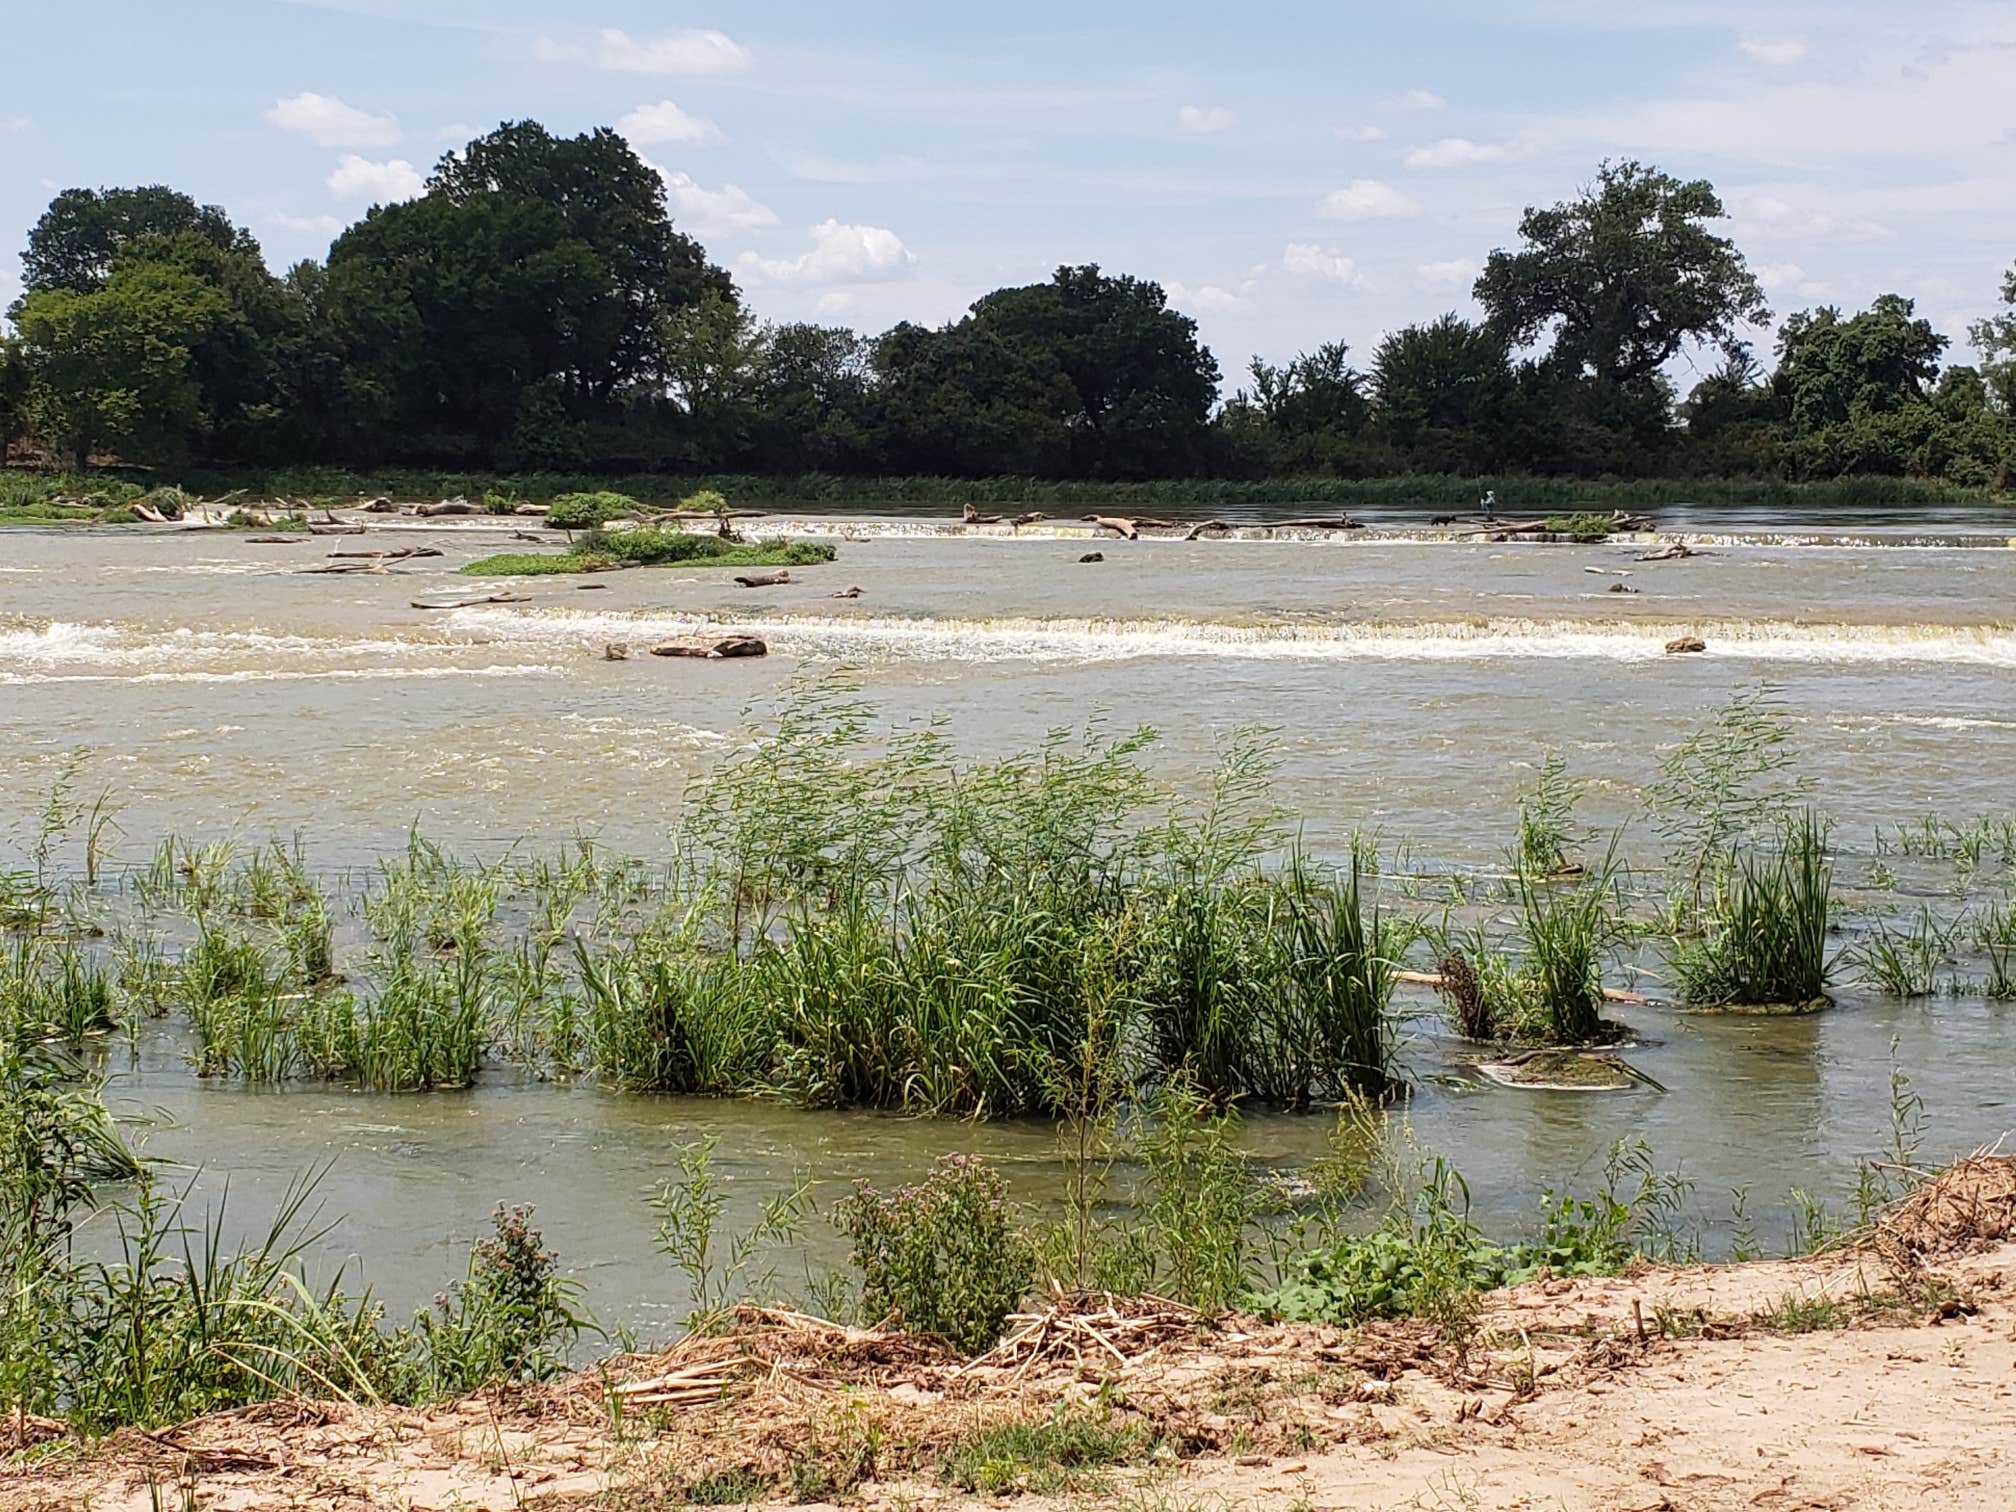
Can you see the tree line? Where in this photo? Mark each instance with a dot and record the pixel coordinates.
(536, 309)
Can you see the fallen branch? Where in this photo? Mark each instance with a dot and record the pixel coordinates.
(1203, 525)
(1130, 528)
(396, 554)
(471, 602)
(1321, 522)
(1436, 979)
(764, 579)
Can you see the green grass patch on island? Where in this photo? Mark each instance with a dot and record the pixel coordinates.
(600, 552)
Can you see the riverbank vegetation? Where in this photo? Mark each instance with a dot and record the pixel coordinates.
(847, 918)
(607, 551)
(577, 331)
(1053, 933)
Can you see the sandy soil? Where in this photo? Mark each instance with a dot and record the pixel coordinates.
(1665, 1388)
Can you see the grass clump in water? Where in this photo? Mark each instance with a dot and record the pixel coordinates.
(1585, 528)
(1764, 930)
(646, 547)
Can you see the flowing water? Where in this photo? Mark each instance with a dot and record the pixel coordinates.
(1415, 681)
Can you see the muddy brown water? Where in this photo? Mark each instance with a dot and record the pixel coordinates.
(1415, 683)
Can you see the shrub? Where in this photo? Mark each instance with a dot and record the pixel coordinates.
(585, 511)
(1586, 528)
(512, 1318)
(944, 1255)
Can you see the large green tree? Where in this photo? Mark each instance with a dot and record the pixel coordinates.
(1996, 337)
(1442, 392)
(1831, 369)
(111, 368)
(1624, 275)
(1096, 372)
(13, 395)
(536, 271)
(85, 231)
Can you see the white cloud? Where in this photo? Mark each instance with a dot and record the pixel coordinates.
(1307, 260)
(841, 253)
(361, 179)
(1212, 299)
(728, 208)
(1416, 99)
(1788, 280)
(329, 122)
(688, 54)
(308, 225)
(1761, 214)
(1204, 120)
(1361, 133)
(1461, 152)
(1367, 199)
(1775, 52)
(458, 132)
(820, 169)
(1454, 273)
(665, 122)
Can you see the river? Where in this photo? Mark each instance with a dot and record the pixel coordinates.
(1415, 681)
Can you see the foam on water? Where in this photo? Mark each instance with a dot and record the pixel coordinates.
(285, 674)
(1024, 639)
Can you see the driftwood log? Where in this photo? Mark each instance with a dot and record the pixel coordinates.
(763, 579)
(1026, 519)
(1201, 526)
(1672, 552)
(1129, 527)
(274, 540)
(447, 507)
(1436, 979)
(1321, 522)
(396, 554)
(335, 530)
(712, 646)
(848, 593)
(471, 601)
(379, 506)
(971, 516)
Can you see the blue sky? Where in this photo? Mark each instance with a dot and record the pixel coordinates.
(1291, 172)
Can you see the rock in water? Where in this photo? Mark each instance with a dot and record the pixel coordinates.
(1093, 556)
(616, 651)
(712, 646)
(1685, 645)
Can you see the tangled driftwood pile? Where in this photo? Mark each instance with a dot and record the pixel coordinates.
(1965, 1208)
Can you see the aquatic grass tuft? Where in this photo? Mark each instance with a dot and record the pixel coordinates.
(1764, 939)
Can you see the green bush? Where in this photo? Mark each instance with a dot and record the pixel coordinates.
(512, 1318)
(601, 551)
(585, 511)
(944, 1256)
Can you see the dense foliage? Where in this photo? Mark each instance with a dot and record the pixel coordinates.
(536, 310)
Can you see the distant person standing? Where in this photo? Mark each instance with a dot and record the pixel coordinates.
(1490, 504)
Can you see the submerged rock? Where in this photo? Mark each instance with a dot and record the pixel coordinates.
(1685, 645)
(616, 651)
(1093, 556)
(1566, 1071)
